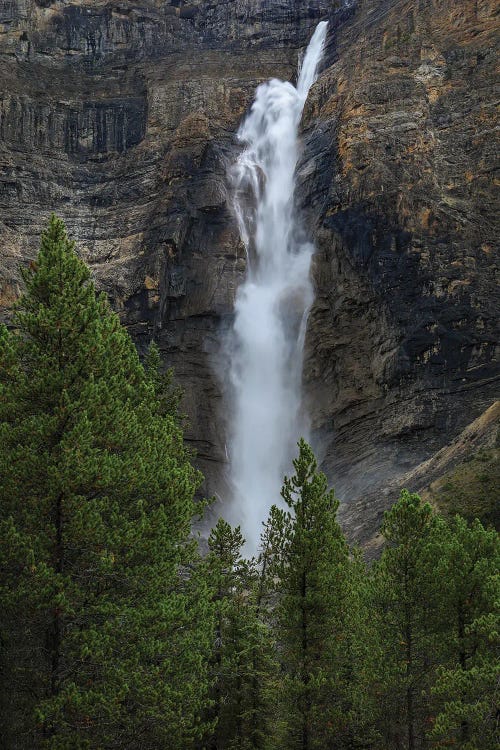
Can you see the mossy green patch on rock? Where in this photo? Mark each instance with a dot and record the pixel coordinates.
(472, 488)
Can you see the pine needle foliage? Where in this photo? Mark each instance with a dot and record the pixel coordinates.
(311, 567)
(467, 687)
(242, 660)
(104, 626)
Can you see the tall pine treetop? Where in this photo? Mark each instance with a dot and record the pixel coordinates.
(66, 327)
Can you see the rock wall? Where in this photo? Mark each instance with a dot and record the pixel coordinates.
(398, 181)
(120, 116)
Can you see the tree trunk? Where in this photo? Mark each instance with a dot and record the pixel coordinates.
(462, 656)
(56, 621)
(305, 675)
(410, 710)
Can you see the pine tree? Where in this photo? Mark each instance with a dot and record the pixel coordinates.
(105, 621)
(362, 655)
(428, 627)
(242, 648)
(468, 681)
(311, 566)
(411, 629)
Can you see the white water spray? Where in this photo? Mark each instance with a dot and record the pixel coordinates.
(272, 304)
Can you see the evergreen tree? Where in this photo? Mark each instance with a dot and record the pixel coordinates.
(468, 680)
(311, 565)
(242, 648)
(362, 655)
(169, 394)
(105, 622)
(410, 629)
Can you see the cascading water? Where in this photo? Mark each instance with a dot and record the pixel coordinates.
(272, 304)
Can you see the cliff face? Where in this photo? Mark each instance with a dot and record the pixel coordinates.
(120, 116)
(398, 181)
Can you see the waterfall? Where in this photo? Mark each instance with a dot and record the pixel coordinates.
(272, 304)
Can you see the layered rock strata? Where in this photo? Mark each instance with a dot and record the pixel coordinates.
(398, 182)
(121, 117)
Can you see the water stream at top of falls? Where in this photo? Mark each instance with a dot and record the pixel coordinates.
(273, 302)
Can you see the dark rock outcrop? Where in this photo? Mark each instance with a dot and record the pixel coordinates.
(120, 116)
(398, 182)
